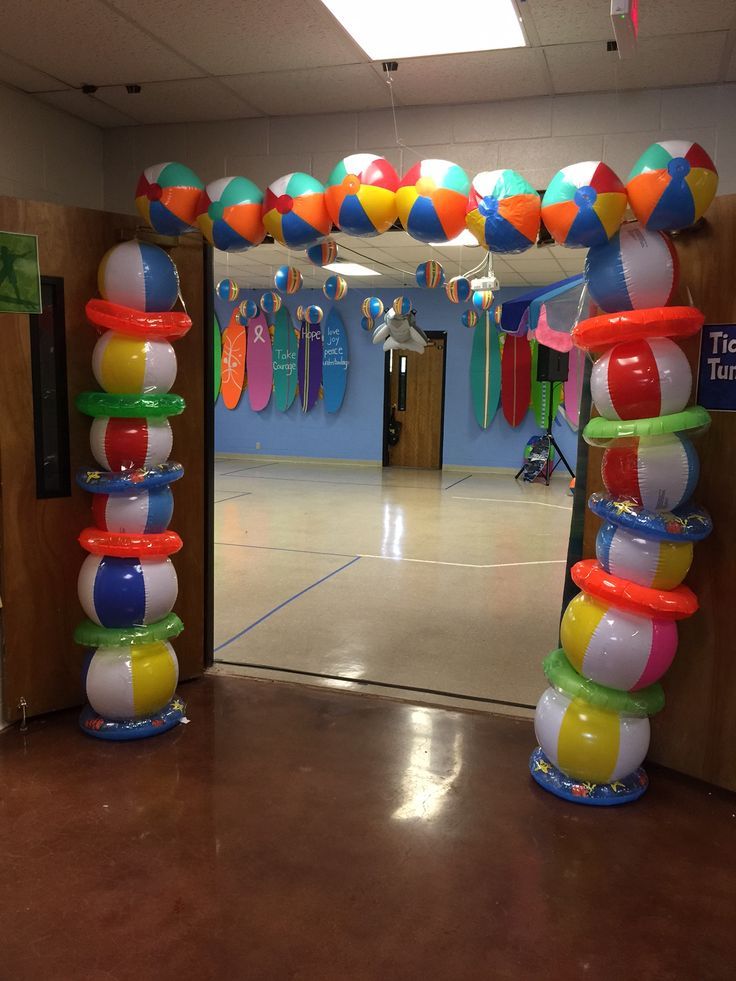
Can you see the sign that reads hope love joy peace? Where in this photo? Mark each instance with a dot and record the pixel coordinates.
(717, 370)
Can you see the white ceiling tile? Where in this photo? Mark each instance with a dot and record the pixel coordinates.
(312, 90)
(87, 107)
(563, 21)
(658, 17)
(24, 77)
(186, 100)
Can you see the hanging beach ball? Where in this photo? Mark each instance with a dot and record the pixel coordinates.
(313, 314)
(584, 205)
(367, 323)
(127, 444)
(230, 214)
(672, 185)
(637, 269)
(323, 254)
(270, 302)
(361, 194)
(167, 197)
(248, 309)
(335, 288)
(458, 289)
(401, 305)
(294, 211)
(133, 365)
(483, 299)
(131, 682)
(372, 306)
(300, 313)
(641, 379)
(430, 275)
(116, 592)
(659, 474)
(145, 512)
(139, 275)
(503, 211)
(432, 199)
(227, 290)
(645, 561)
(469, 318)
(288, 279)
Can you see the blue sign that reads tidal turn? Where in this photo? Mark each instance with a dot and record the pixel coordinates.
(717, 368)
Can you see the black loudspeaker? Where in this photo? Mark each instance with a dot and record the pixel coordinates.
(552, 366)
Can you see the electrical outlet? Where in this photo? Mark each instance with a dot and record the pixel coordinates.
(258, 446)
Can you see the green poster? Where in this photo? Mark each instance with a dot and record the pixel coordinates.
(20, 282)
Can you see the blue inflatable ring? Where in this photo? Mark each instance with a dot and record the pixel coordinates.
(687, 523)
(116, 730)
(126, 481)
(558, 783)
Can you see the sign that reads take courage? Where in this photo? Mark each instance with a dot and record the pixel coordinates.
(717, 369)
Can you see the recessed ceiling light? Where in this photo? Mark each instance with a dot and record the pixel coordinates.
(465, 237)
(412, 28)
(351, 269)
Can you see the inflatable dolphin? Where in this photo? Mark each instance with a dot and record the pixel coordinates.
(399, 332)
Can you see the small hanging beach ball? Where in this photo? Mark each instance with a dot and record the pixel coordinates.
(145, 512)
(167, 197)
(313, 314)
(432, 199)
(367, 323)
(227, 290)
(361, 194)
(116, 592)
(641, 379)
(230, 214)
(503, 211)
(323, 254)
(430, 275)
(294, 211)
(335, 288)
(248, 309)
(636, 270)
(672, 185)
(469, 318)
(645, 561)
(126, 444)
(372, 306)
(139, 275)
(458, 289)
(659, 473)
(287, 279)
(300, 313)
(483, 299)
(401, 305)
(270, 302)
(613, 648)
(133, 365)
(131, 682)
(584, 205)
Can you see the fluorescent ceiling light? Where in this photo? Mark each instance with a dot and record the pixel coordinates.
(351, 269)
(412, 28)
(465, 237)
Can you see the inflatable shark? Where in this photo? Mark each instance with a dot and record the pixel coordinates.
(400, 332)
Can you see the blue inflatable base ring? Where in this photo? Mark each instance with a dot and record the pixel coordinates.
(558, 783)
(129, 481)
(687, 523)
(115, 730)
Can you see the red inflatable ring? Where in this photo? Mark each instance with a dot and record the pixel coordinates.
(137, 323)
(664, 604)
(597, 333)
(122, 546)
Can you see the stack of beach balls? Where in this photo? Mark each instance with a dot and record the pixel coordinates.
(127, 585)
(619, 634)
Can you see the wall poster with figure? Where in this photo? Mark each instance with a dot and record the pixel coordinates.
(20, 280)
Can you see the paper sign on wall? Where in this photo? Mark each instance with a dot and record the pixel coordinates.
(717, 368)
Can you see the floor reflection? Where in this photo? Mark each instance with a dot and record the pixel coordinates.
(433, 766)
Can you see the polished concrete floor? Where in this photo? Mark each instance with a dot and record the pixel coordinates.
(446, 582)
(299, 833)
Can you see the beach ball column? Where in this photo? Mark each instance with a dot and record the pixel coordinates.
(127, 585)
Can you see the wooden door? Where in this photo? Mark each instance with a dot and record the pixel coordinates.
(417, 395)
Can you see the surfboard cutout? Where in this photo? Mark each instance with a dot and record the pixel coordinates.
(542, 392)
(334, 361)
(516, 378)
(233, 365)
(309, 361)
(485, 371)
(260, 363)
(574, 387)
(284, 360)
(217, 357)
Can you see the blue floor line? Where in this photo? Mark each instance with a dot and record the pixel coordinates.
(233, 496)
(278, 548)
(458, 481)
(286, 603)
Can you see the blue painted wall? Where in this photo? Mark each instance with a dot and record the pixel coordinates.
(355, 432)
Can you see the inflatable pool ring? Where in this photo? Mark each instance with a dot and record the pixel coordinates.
(124, 364)
(432, 199)
(659, 474)
(124, 545)
(112, 405)
(601, 432)
(118, 592)
(139, 275)
(323, 254)
(294, 211)
(575, 791)
(90, 634)
(687, 523)
(641, 379)
(598, 333)
(458, 289)
(641, 704)
(167, 197)
(335, 288)
(113, 730)
(372, 307)
(583, 205)
(360, 195)
(287, 279)
(145, 512)
(130, 444)
(672, 185)
(131, 481)
(230, 214)
(503, 211)
(636, 269)
(665, 604)
(645, 561)
(131, 681)
(430, 275)
(137, 323)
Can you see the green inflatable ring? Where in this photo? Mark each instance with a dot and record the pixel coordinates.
(90, 634)
(600, 431)
(563, 676)
(103, 404)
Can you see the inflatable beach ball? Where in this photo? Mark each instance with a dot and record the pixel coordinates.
(294, 211)
(367, 323)
(429, 275)
(672, 185)
(125, 444)
(270, 302)
(641, 379)
(503, 211)
(401, 305)
(131, 682)
(335, 287)
(586, 742)
(613, 648)
(116, 592)
(372, 306)
(659, 473)
(230, 214)
(323, 254)
(432, 199)
(139, 275)
(483, 299)
(287, 279)
(658, 564)
(248, 309)
(313, 314)
(636, 270)
(228, 290)
(147, 512)
(300, 313)
(469, 318)
(167, 197)
(458, 289)
(133, 365)
(584, 205)
(361, 194)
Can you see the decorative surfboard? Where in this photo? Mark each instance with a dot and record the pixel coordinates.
(574, 387)
(516, 378)
(485, 371)
(309, 363)
(334, 361)
(284, 360)
(260, 363)
(542, 392)
(233, 364)
(217, 357)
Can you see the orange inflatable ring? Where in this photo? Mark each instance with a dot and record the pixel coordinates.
(663, 604)
(137, 323)
(122, 546)
(597, 333)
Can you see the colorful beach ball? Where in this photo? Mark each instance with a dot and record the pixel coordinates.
(248, 309)
(469, 318)
(503, 211)
(483, 299)
(145, 512)
(659, 473)
(432, 199)
(361, 194)
(300, 313)
(367, 323)
(641, 379)
(636, 270)
(632, 556)
(313, 314)
(287, 279)
(230, 214)
(139, 275)
(131, 682)
(294, 211)
(270, 302)
(401, 305)
(584, 205)
(126, 444)
(613, 648)
(429, 275)
(116, 592)
(335, 288)
(228, 290)
(372, 306)
(587, 742)
(672, 185)
(323, 254)
(167, 197)
(458, 289)
(133, 365)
